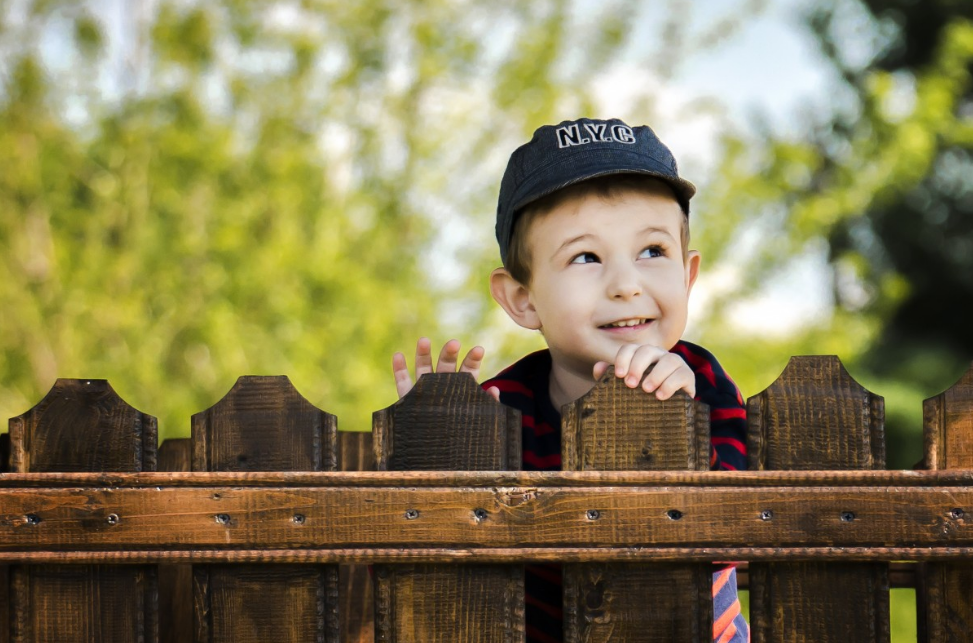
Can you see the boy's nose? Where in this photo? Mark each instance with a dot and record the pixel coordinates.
(624, 284)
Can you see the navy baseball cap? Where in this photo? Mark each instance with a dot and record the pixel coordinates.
(573, 151)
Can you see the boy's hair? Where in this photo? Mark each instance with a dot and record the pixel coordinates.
(608, 187)
(576, 151)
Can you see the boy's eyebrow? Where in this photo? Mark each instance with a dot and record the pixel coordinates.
(576, 239)
(646, 230)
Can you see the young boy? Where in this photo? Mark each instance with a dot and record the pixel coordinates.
(593, 227)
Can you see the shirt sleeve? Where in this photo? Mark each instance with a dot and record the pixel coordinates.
(728, 415)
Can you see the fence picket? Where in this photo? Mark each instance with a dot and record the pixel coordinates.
(448, 423)
(264, 424)
(815, 416)
(83, 425)
(615, 428)
(945, 610)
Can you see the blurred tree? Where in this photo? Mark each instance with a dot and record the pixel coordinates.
(879, 187)
(191, 191)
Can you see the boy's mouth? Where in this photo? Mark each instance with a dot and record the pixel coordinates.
(627, 323)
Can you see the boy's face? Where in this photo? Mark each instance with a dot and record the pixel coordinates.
(608, 272)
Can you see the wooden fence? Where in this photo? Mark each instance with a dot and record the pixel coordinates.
(270, 525)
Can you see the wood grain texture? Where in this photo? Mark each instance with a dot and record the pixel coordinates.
(447, 422)
(175, 579)
(614, 428)
(945, 606)
(186, 518)
(815, 416)
(264, 424)
(83, 425)
(357, 612)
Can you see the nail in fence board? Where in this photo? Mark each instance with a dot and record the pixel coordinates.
(945, 609)
(264, 424)
(357, 613)
(815, 416)
(447, 422)
(615, 428)
(82, 425)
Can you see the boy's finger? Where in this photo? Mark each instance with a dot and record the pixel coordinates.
(495, 392)
(623, 359)
(471, 363)
(400, 370)
(664, 368)
(423, 356)
(448, 357)
(678, 381)
(644, 359)
(599, 369)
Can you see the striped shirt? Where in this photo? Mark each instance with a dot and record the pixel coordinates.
(524, 386)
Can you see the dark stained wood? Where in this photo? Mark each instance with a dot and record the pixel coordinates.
(175, 580)
(357, 613)
(348, 517)
(447, 422)
(258, 603)
(264, 424)
(945, 607)
(815, 416)
(614, 428)
(83, 425)
(459, 479)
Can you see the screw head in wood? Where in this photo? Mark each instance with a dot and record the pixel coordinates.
(480, 514)
(674, 514)
(956, 513)
(32, 519)
(847, 516)
(299, 519)
(593, 514)
(223, 519)
(411, 514)
(766, 514)
(112, 519)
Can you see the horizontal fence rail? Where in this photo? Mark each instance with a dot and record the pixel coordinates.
(270, 525)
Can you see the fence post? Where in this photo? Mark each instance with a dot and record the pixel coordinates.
(448, 423)
(82, 425)
(357, 613)
(615, 428)
(264, 424)
(175, 579)
(945, 606)
(815, 416)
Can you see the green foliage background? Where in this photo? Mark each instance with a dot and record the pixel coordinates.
(194, 191)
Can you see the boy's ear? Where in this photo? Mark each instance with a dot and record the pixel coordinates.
(513, 297)
(692, 269)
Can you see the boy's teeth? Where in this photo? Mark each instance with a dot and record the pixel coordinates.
(630, 322)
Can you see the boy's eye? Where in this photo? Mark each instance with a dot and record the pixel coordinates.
(585, 257)
(652, 251)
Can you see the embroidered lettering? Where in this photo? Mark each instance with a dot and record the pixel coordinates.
(569, 136)
(598, 132)
(623, 134)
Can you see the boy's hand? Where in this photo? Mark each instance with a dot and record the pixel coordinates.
(448, 358)
(668, 372)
